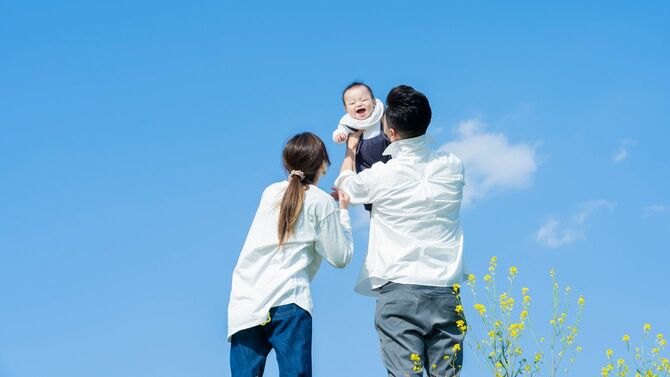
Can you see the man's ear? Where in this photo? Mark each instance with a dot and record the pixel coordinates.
(392, 134)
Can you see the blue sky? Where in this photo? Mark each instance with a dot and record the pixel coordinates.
(137, 137)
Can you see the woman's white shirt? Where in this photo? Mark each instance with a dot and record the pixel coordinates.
(267, 275)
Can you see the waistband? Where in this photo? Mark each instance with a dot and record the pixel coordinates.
(394, 287)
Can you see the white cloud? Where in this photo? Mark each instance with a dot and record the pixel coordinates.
(622, 153)
(589, 208)
(555, 233)
(491, 162)
(654, 209)
(436, 131)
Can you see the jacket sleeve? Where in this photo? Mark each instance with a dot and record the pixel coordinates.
(341, 129)
(334, 241)
(359, 187)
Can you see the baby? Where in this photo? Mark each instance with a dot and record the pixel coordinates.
(363, 112)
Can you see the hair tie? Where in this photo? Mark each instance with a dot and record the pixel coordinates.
(298, 173)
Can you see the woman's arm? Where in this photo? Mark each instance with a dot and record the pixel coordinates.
(335, 242)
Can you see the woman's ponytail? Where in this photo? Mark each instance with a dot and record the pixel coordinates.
(289, 209)
(303, 156)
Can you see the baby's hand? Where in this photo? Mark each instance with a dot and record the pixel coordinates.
(340, 138)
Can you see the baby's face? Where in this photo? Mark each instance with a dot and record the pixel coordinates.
(358, 102)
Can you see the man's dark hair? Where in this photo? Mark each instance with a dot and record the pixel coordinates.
(407, 111)
(355, 84)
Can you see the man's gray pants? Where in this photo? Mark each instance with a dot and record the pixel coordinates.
(418, 331)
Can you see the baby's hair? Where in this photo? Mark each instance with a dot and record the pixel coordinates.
(355, 84)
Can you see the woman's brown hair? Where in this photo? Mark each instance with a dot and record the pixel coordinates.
(303, 153)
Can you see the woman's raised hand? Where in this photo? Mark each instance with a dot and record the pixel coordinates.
(341, 197)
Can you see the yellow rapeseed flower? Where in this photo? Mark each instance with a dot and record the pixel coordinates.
(471, 278)
(626, 338)
(459, 309)
(659, 336)
(646, 327)
(579, 348)
(538, 357)
(513, 271)
(524, 314)
(516, 326)
(609, 353)
(457, 347)
(267, 320)
(457, 287)
(492, 264)
(487, 277)
(524, 291)
(480, 308)
(492, 334)
(526, 298)
(461, 325)
(620, 362)
(581, 300)
(414, 357)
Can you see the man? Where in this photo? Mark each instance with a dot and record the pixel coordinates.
(414, 261)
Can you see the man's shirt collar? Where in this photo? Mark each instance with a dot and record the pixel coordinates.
(407, 145)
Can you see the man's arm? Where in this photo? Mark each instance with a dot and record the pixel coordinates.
(349, 162)
(357, 186)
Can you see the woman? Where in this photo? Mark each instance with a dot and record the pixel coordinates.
(295, 227)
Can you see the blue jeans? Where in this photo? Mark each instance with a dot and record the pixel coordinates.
(289, 332)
